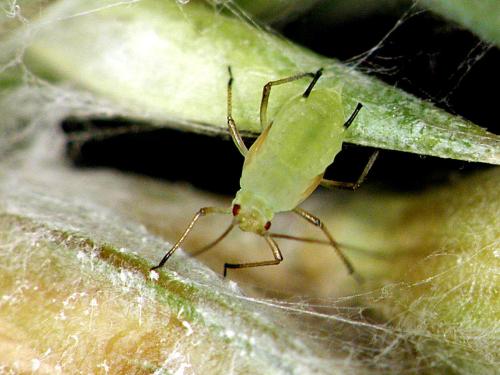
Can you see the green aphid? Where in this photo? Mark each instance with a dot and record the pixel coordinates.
(284, 165)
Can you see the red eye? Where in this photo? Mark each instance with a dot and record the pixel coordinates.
(236, 209)
(267, 226)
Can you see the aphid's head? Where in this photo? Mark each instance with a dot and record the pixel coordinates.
(251, 214)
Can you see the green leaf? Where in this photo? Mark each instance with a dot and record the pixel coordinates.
(437, 265)
(75, 279)
(77, 293)
(167, 63)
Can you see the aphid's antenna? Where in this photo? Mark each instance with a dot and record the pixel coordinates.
(300, 239)
(313, 83)
(353, 116)
(215, 242)
(357, 249)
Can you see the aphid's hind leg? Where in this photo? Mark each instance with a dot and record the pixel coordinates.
(233, 130)
(266, 91)
(278, 257)
(317, 222)
(352, 185)
(201, 212)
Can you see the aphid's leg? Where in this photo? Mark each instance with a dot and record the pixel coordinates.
(201, 212)
(316, 221)
(266, 91)
(352, 185)
(233, 130)
(278, 257)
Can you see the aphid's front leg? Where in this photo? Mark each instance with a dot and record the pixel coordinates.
(352, 185)
(317, 222)
(266, 91)
(233, 130)
(278, 257)
(202, 212)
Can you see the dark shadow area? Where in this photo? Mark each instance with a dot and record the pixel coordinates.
(208, 162)
(214, 163)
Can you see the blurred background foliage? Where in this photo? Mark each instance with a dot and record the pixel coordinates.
(78, 231)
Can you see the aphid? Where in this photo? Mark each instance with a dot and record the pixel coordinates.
(284, 165)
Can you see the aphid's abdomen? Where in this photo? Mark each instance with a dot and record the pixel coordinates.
(287, 161)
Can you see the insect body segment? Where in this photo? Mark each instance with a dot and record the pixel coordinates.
(254, 212)
(284, 165)
(288, 160)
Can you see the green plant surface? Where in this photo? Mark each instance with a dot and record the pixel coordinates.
(76, 246)
(75, 265)
(436, 258)
(77, 293)
(167, 63)
(481, 17)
